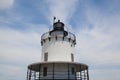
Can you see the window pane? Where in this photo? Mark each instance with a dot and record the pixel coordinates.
(45, 71)
(72, 57)
(73, 70)
(46, 57)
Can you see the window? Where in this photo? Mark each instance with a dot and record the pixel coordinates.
(73, 70)
(72, 57)
(45, 71)
(45, 56)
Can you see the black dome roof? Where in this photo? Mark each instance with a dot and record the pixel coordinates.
(59, 26)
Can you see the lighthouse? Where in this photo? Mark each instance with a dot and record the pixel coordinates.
(57, 58)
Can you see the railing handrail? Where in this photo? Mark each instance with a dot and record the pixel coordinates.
(69, 35)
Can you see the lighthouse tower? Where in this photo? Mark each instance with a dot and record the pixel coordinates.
(57, 59)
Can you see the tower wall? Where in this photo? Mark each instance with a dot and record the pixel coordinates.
(60, 71)
(58, 48)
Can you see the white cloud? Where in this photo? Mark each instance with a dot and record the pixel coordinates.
(18, 49)
(100, 44)
(112, 74)
(5, 4)
(98, 48)
(62, 9)
(20, 45)
(10, 71)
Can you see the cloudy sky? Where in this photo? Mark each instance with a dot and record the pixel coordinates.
(96, 23)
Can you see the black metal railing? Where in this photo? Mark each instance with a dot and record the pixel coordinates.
(57, 75)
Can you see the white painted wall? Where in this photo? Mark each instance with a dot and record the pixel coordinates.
(58, 50)
(60, 71)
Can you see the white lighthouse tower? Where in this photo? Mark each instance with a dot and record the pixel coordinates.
(57, 59)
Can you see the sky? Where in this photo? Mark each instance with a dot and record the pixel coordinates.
(96, 24)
